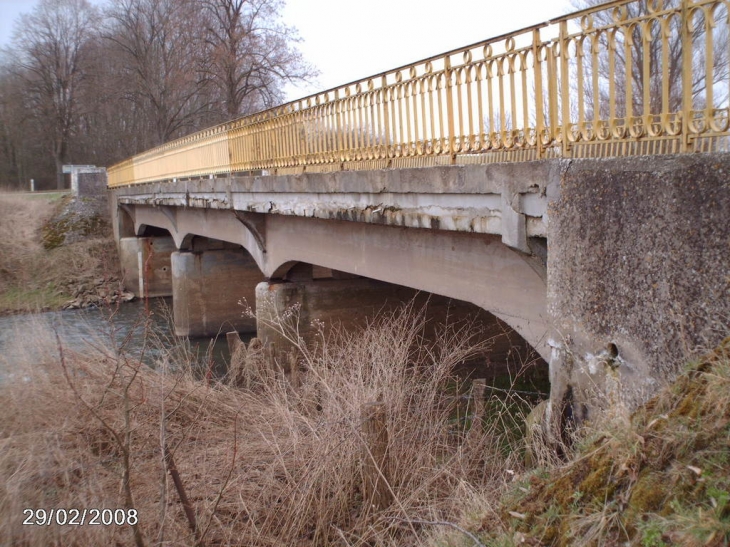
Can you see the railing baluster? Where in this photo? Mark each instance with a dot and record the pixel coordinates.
(449, 106)
(686, 75)
(539, 112)
(565, 86)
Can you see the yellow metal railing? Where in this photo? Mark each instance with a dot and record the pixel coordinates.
(623, 78)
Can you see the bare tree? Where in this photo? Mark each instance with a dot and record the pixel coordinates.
(50, 46)
(159, 45)
(672, 60)
(250, 54)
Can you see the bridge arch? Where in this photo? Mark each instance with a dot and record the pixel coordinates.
(475, 268)
(185, 224)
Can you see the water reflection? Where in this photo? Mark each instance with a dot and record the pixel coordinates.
(142, 332)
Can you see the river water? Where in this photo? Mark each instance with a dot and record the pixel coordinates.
(141, 331)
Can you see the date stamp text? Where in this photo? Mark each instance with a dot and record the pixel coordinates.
(80, 517)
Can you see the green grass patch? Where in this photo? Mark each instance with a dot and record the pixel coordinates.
(29, 300)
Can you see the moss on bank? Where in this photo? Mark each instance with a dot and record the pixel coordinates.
(660, 477)
(72, 225)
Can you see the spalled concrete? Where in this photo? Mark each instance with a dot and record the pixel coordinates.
(505, 200)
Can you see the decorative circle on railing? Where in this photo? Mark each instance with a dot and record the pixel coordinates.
(647, 26)
(572, 132)
(428, 67)
(556, 50)
(587, 132)
(636, 127)
(672, 124)
(487, 52)
(412, 73)
(467, 57)
(446, 145)
(654, 6)
(463, 144)
(509, 44)
(602, 130)
(586, 22)
(508, 139)
(546, 136)
(697, 123)
(691, 14)
(530, 137)
(653, 125)
(519, 138)
(619, 14)
(482, 142)
(398, 77)
(714, 9)
(558, 136)
(720, 120)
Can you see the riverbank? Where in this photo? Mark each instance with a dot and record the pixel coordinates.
(55, 253)
(372, 442)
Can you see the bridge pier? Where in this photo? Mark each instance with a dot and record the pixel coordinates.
(211, 289)
(146, 268)
(305, 308)
(285, 309)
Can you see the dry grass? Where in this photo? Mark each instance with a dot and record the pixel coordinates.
(279, 464)
(20, 223)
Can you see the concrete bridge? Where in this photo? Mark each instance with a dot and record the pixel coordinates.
(637, 262)
(601, 242)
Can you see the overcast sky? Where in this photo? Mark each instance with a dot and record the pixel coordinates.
(348, 40)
